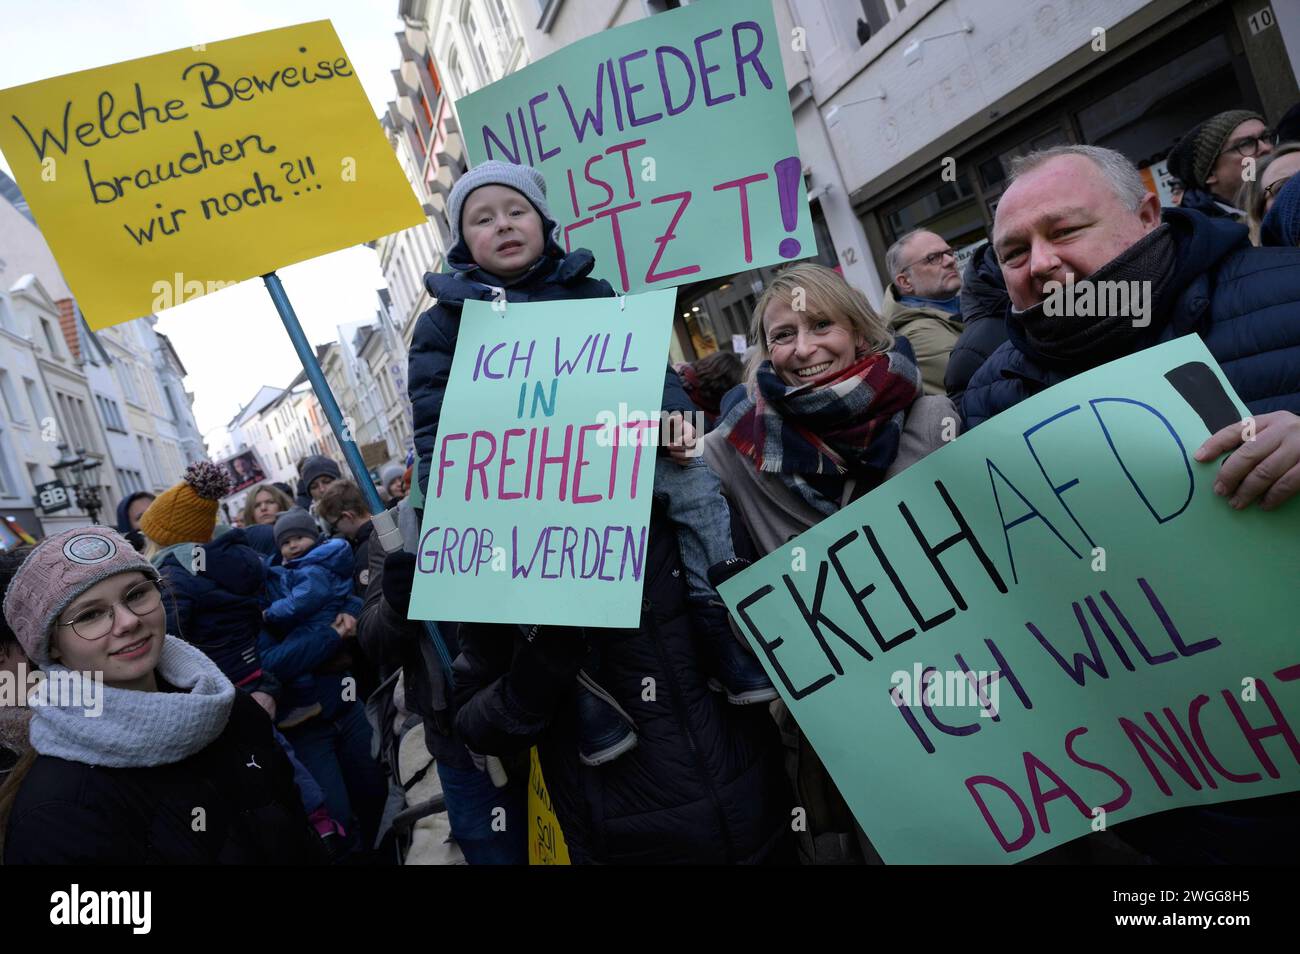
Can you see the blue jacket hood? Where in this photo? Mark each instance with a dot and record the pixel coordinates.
(334, 555)
(123, 521)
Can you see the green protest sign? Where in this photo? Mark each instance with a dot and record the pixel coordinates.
(1049, 626)
(539, 489)
(635, 130)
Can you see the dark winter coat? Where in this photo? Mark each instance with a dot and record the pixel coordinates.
(214, 603)
(1243, 301)
(1198, 200)
(704, 784)
(984, 306)
(361, 559)
(70, 813)
(261, 537)
(556, 276)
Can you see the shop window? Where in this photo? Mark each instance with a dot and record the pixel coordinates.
(1149, 113)
(949, 209)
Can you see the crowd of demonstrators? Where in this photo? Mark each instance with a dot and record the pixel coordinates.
(308, 643)
(300, 615)
(215, 585)
(923, 303)
(173, 735)
(707, 381)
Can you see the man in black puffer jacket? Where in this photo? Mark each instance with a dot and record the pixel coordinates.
(984, 306)
(1243, 301)
(703, 786)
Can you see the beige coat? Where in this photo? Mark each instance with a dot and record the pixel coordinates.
(931, 332)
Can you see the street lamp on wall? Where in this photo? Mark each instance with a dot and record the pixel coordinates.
(912, 52)
(80, 476)
(833, 114)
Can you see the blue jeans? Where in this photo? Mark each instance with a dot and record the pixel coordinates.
(471, 798)
(337, 753)
(701, 517)
(312, 795)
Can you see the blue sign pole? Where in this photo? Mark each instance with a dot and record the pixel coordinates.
(385, 525)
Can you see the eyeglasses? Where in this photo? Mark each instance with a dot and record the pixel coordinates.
(1271, 190)
(1249, 145)
(97, 623)
(934, 258)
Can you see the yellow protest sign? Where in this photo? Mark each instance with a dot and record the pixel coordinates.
(545, 840)
(163, 178)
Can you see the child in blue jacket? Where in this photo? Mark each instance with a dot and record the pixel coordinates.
(309, 584)
(308, 587)
(505, 246)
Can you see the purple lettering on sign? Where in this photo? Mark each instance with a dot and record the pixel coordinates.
(709, 98)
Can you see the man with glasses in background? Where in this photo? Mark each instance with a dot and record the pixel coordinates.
(921, 302)
(1211, 159)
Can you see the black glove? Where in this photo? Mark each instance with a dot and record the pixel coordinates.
(545, 664)
(399, 576)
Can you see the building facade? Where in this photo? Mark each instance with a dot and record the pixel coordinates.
(117, 395)
(447, 49)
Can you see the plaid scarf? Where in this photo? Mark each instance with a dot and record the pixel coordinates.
(850, 422)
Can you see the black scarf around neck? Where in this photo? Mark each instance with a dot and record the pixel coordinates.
(1094, 338)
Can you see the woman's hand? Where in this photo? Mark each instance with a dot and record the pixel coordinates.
(345, 625)
(1265, 464)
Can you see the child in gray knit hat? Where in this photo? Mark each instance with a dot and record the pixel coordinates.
(505, 248)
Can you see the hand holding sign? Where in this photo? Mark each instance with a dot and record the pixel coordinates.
(1265, 460)
(538, 498)
(171, 176)
(991, 667)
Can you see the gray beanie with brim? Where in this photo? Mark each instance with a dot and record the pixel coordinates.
(525, 180)
(295, 523)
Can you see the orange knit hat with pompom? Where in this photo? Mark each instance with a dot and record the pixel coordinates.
(187, 513)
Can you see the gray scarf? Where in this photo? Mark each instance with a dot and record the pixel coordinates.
(138, 729)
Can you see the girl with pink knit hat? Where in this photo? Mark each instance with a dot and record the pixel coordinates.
(146, 753)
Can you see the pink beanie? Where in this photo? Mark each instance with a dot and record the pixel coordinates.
(59, 570)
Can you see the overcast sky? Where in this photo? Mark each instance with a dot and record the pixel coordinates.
(231, 342)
